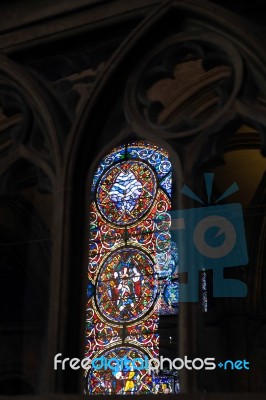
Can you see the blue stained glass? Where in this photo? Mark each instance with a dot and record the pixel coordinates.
(168, 262)
(165, 384)
(204, 291)
(163, 221)
(168, 270)
(118, 154)
(90, 289)
(171, 294)
(166, 184)
(126, 191)
(152, 155)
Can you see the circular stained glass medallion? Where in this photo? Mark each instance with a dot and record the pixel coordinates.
(126, 286)
(125, 373)
(126, 192)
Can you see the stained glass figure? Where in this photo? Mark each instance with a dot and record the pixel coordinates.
(126, 287)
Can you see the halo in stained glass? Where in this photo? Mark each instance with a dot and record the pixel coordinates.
(129, 375)
(126, 192)
(126, 287)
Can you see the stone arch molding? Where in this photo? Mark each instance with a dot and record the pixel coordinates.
(228, 91)
(33, 124)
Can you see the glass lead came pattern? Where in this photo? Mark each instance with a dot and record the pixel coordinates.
(118, 154)
(126, 288)
(152, 154)
(126, 192)
(166, 184)
(131, 263)
(124, 378)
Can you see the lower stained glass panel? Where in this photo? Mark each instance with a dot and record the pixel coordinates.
(122, 370)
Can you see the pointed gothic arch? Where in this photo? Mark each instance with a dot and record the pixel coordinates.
(222, 96)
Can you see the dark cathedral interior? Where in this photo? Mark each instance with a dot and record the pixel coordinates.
(118, 120)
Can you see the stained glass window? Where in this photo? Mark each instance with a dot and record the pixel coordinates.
(132, 270)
